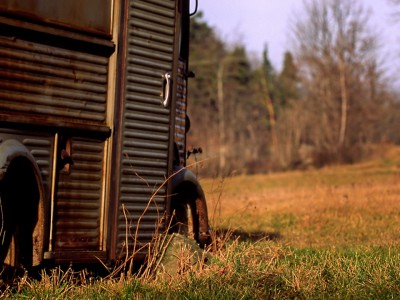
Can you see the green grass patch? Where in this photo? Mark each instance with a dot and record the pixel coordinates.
(244, 270)
(332, 233)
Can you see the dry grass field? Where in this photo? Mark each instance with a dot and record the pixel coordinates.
(334, 206)
(332, 233)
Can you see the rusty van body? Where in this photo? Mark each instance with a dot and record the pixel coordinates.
(93, 129)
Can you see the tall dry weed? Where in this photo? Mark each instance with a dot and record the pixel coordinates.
(330, 233)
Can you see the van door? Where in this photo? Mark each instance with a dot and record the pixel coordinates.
(144, 162)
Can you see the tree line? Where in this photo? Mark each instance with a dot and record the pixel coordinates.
(331, 102)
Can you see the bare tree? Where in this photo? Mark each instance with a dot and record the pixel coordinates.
(336, 52)
(266, 78)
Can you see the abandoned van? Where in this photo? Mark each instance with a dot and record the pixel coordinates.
(93, 129)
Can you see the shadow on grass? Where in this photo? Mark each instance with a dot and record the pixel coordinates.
(252, 236)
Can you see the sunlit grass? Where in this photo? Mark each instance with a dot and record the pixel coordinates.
(342, 205)
(331, 233)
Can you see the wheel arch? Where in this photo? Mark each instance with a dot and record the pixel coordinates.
(16, 160)
(185, 182)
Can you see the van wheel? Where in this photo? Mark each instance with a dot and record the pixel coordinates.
(185, 219)
(19, 198)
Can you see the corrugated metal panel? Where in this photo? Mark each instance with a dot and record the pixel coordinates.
(42, 79)
(146, 123)
(180, 115)
(86, 15)
(79, 195)
(40, 145)
(41, 148)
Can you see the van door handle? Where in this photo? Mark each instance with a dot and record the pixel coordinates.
(167, 89)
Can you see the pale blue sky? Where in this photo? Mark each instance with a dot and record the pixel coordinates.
(256, 22)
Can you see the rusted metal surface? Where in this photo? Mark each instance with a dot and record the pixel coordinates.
(146, 122)
(39, 147)
(44, 80)
(39, 144)
(185, 184)
(79, 198)
(54, 87)
(97, 126)
(77, 256)
(88, 15)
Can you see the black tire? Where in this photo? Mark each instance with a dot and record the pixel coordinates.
(19, 198)
(185, 219)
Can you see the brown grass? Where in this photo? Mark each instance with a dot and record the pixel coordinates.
(335, 235)
(340, 205)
